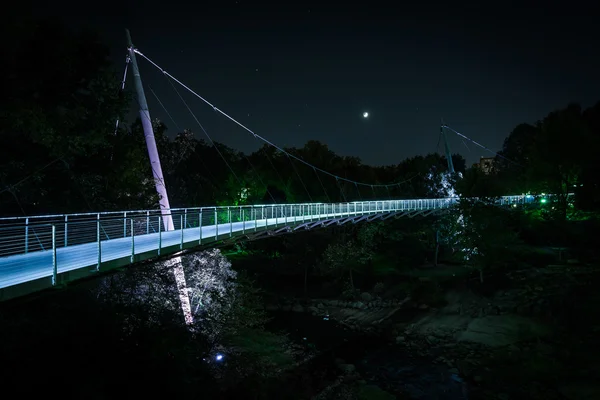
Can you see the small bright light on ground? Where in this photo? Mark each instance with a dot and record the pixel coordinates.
(219, 357)
(365, 114)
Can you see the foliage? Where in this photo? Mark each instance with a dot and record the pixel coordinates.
(373, 392)
(555, 155)
(57, 125)
(348, 255)
(222, 302)
(265, 346)
(479, 233)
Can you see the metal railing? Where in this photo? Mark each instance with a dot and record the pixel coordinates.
(22, 235)
(42, 246)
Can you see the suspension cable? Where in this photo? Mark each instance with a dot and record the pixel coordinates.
(299, 177)
(323, 186)
(341, 190)
(358, 191)
(260, 179)
(249, 130)
(211, 177)
(127, 60)
(483, 147)
(275, 169)
(206, 134)
(165, 109)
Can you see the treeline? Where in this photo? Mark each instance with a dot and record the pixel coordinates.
(557, 154)
(60, 152)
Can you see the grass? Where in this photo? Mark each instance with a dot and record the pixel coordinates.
(383, 265)
(441, 272)
(263, 344)
(373, 392)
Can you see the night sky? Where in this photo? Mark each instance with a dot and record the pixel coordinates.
(299, 71)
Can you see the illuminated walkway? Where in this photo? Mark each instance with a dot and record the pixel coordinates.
(52, 249)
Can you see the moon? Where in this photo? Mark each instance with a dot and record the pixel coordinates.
(365, 115)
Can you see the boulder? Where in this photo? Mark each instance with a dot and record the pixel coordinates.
(502, 330)
(297, 308)
(366, 297)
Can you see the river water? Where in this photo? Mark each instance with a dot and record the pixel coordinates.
(387, 365)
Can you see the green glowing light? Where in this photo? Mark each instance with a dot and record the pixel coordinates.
(543, 201)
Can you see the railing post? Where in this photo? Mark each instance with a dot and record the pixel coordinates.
(54, 261)
(185, 218)
(66, 229)
(181, 226)
(125, 224)
(230, 221)
(26, 235)
(147, 222)
(99, 242)
(200, 226)
(255, 218)
(216, 225)
(243, 221)
(159, 234)
(132, 242)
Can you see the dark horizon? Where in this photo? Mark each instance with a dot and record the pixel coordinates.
(296, 73)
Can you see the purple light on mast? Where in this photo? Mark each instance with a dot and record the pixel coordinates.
(151, 141)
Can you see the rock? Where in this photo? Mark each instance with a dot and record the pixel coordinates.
(514, 349)
(366, 297)
(347, 368)
(581, 391)
(400, 339)
(432, 339)
(465, 367)
(360, 305)
(320, 305)
(313, 310)
(502, 330)
(297, 308)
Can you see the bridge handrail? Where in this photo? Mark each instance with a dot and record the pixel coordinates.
(174, 210)
(20, 235)
(28, 234)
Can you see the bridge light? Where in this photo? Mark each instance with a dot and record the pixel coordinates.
(543, 200)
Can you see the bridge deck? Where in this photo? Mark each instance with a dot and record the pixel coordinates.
(51, 249)
(22, 268)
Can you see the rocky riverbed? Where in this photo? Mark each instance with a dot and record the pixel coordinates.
(533, 338)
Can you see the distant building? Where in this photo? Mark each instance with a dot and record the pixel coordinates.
(485, 164)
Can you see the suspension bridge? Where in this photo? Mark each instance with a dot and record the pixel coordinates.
(38, 252)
